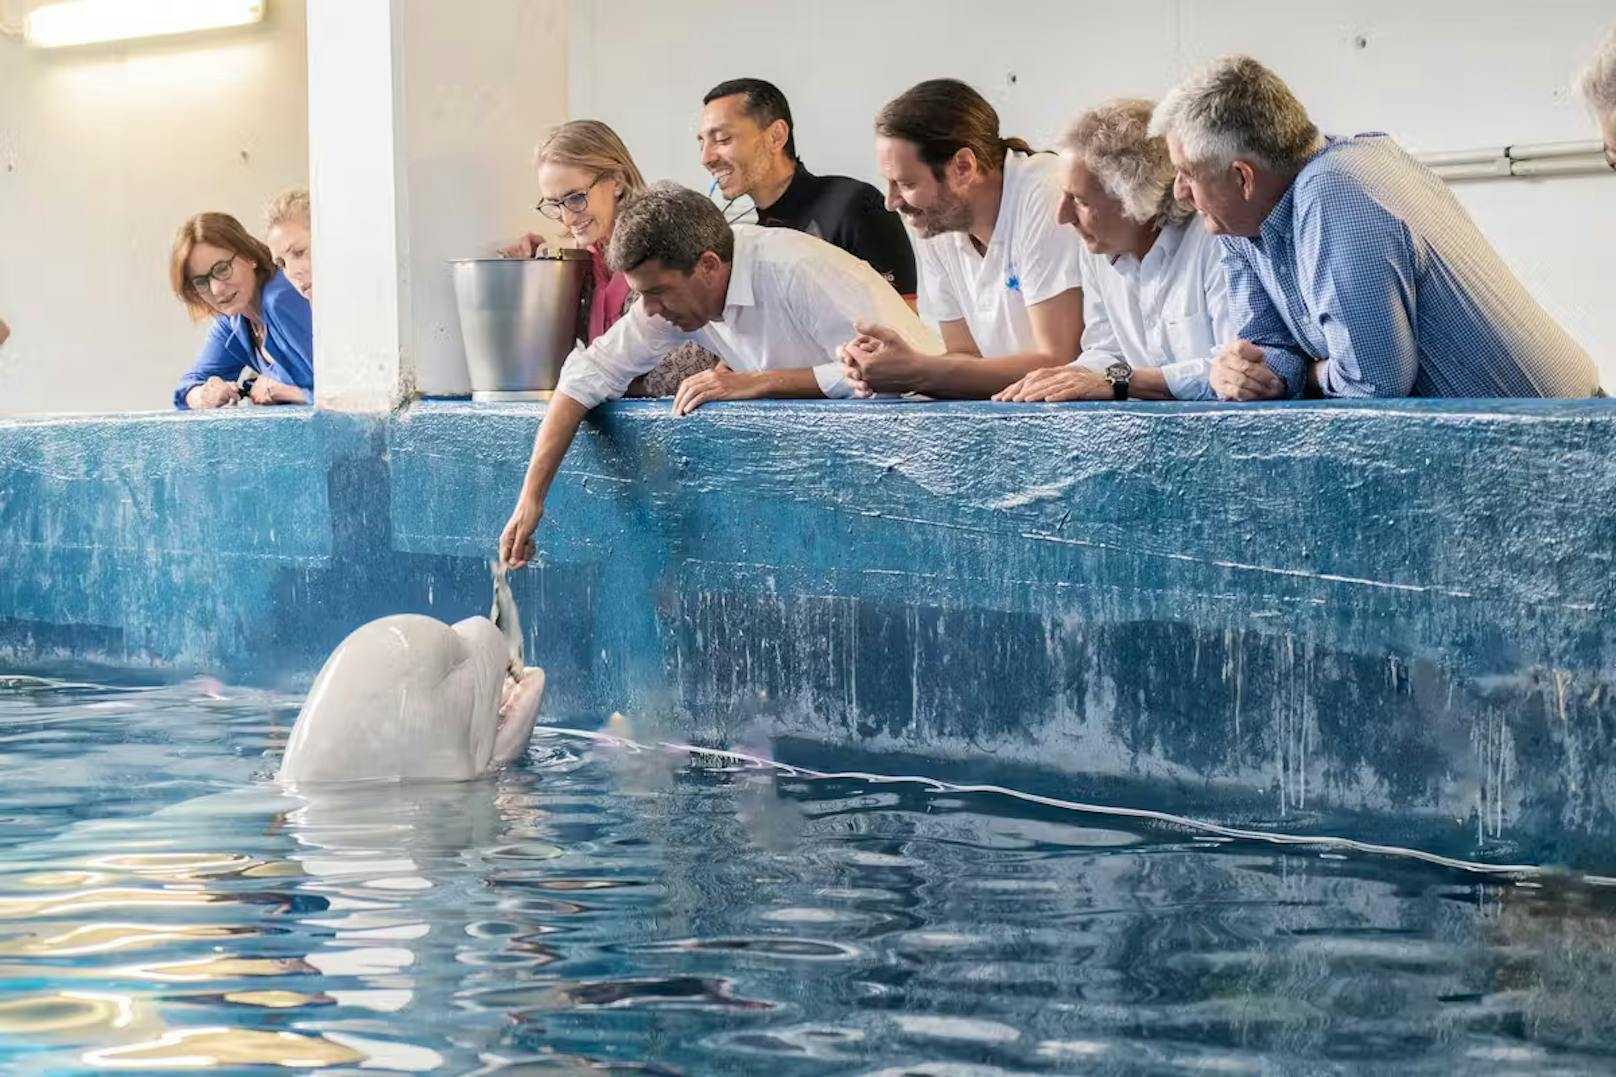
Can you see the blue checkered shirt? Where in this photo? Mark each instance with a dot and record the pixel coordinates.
(1370, 263)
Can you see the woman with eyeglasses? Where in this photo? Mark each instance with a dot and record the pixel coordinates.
(584, 171)
(260, 322)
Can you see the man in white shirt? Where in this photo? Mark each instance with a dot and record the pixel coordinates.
(1155, 296)
(773, 303)
(999, 275)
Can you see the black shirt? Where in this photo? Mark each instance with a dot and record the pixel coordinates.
(851, 214)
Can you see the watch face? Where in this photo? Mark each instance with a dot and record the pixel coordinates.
(1118, 372)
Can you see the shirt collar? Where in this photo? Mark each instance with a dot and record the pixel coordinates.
(1277, 225)
(740, 292)
(788, 198)
(1168, 240)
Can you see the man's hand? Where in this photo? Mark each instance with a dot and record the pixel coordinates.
(516, 541)
(213, 393)
(1057, 383)
(266, 390)
(529, 245)
(719, 383)
(879, 360)
(1239, 373)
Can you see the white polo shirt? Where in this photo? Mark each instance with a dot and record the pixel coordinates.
(1031, 257)
(793, 299)
(1168, 311)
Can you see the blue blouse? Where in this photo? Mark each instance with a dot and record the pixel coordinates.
(289, 326)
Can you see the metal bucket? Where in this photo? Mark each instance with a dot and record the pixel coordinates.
(519, 321)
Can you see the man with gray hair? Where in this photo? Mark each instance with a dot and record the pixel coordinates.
(774, 304)
(1155, 299)
(1353, 271)
(1598, 86)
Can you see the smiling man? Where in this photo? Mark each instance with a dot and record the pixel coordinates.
(1353, 270)
(749, 144)
(999, 273)
(772, 303)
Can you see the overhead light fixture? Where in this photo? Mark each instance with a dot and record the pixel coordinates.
(95, 22)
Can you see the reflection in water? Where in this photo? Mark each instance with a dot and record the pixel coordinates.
(606, 909)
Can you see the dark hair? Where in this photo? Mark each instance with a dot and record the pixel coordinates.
(764, 104)
(218, 230)
(942, 117)
(671, 224)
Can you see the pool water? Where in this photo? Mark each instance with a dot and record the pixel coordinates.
(163, 906)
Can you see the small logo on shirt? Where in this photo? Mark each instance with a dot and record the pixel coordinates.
(1013, 282)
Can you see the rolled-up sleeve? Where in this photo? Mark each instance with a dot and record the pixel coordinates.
(635, 344)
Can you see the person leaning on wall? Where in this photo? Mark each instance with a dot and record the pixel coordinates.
(1353, 270)
(1598, 87)
(288, 225)
(749, 143)
(999, 274)
(1155, 298)
(773, 303)
(584, 173)
(220, 271)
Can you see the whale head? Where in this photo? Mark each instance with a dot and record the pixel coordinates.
(405, 697)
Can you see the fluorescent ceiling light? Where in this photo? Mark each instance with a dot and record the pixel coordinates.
(94, 22)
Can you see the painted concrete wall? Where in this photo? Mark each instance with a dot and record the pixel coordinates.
(103, 153)
(1354, 617)
(1438, 74)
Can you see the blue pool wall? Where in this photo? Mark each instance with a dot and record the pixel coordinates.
(1393, 617)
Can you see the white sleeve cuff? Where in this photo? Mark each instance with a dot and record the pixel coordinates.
(1189, 379)
(831, 382)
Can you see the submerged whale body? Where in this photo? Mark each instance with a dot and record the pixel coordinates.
(408, 697)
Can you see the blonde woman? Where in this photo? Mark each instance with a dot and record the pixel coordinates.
(219, 270)
(288, 222)
(584, 171)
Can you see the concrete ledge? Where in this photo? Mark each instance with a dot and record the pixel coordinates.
(1285, 614)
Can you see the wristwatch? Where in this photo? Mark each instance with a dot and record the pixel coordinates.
(1119, 374)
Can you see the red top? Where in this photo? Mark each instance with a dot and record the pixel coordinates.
(611, 292)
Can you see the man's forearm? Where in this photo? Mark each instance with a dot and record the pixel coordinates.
(782, 384)
(967, 377)
(1147, 383)
(555, 436)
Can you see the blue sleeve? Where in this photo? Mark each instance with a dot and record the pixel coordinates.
(290, 323)
(1252, 310)
(1355, 264)
(221, 358)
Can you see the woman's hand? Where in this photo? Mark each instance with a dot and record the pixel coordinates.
(213, 393)
(516, 541)
(528, 246)
(266, 390)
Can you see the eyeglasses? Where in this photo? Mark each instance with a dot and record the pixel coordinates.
(576, 202)
(219, 272)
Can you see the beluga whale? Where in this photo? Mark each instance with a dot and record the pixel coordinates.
(410, 698)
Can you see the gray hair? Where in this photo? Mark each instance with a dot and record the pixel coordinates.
(1237, 109)
(1114, 142)
(671, 224)
(1598, 81)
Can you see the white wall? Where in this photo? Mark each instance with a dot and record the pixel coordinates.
(1439, 74)
(103, 153)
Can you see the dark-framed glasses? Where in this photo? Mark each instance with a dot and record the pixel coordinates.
(576, 202)
(220, 271)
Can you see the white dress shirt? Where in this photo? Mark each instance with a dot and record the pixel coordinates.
(1032, 257)
(1169, 311)
(793, 299)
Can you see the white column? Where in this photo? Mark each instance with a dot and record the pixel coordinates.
(423, 117)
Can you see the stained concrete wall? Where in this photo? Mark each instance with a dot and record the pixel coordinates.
(1389, 618)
